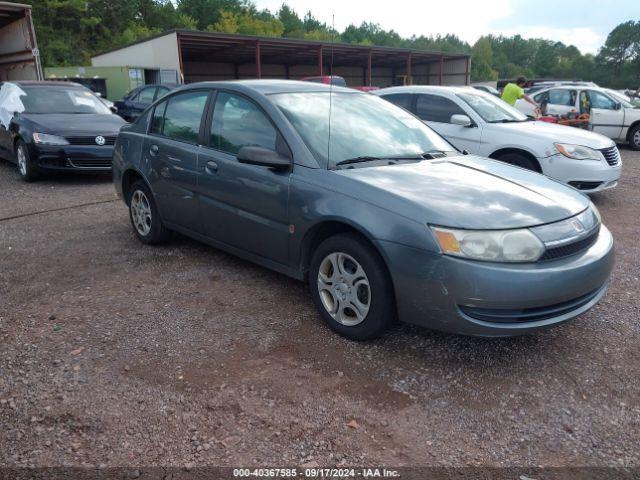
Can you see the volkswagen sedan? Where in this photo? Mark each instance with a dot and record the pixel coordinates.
(64, 127)
(378, 213)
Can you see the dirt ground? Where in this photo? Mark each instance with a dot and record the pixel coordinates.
(113, 353)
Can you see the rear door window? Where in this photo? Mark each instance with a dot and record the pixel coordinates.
(566, 98)
(400, 99)
(182, 116)
(434, 108)
(146, 95)
(238, 122)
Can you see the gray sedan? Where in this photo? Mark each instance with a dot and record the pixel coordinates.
(379, 214)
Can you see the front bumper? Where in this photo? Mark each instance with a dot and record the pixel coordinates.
(83, 158)
(588, 176)
(446, 293)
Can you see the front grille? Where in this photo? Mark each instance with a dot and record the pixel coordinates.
(585, 185)
(504, 315)
(91, 139)
(90, 162)
(611, 155)
(571, 248)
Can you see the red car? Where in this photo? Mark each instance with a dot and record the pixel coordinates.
(327, 79)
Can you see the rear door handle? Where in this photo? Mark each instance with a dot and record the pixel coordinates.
(211, 167)
(153, 150)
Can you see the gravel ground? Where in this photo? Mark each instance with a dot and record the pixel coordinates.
(118, 354)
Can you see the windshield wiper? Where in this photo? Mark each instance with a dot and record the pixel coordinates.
(508, 120)
(362, 159)
(430, 155)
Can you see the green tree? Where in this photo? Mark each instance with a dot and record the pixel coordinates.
(482, 61)
(291, 22)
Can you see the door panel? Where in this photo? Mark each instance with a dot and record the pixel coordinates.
(245, 206)
(171, 152)
(173, 166)
(606, 118)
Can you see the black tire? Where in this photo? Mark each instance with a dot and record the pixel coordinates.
(519, 160)
(28, 171)
(381, 311)
(634, 137)
(149, 229)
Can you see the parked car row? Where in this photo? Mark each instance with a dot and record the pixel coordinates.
(375, 206)
(485, 125)
(610, 114)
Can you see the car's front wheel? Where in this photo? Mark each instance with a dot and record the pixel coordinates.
(519, 160)
(28, 172)
(144, 215)
(351, 287)
(634, 137)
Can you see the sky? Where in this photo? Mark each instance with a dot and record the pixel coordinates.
(583, 23)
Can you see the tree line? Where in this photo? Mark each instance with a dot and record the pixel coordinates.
(71, 31)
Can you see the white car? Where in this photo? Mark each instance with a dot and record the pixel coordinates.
(611, 115)
(485, 125)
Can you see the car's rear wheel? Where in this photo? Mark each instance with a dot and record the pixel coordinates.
(634, 137)
(143, 212)
(28, 172)
(519, 160)
(351, 288)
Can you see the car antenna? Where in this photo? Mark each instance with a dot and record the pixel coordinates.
(333, 36)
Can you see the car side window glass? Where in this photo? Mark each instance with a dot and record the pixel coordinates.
(146, 95)
(598, 100)
(400, 99)
(158, 118)
(183, 115)
(563, 97)
(541, 97)
(162, 91)
(434, 108)
(238, 122)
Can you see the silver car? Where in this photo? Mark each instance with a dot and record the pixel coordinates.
(379, 214)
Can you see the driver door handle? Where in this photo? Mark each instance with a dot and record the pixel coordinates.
(211, 167)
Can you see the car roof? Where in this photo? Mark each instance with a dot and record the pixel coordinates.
(267, 87)
(47, 83)
(431, 89)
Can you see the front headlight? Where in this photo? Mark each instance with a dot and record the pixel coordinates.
(46, 139)
(578, 152)
(490, 245)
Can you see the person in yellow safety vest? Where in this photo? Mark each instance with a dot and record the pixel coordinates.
(514, 91)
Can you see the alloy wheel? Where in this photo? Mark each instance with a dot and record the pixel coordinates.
(22, 162)
(344, 289)
(141, 212)
(636, 138)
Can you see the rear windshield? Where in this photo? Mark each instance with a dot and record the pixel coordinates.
(61, 100)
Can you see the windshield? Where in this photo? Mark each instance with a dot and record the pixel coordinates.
(492, 109)
(362, 125)
(61, 100)
(623, 99)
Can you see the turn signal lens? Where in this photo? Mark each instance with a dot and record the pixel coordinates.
(447, 241)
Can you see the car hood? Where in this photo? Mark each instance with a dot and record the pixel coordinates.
(468, 192)
(75, 124)
(557, 133)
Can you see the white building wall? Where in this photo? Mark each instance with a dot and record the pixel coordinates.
(157, 53)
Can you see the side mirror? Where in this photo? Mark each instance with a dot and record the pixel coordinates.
(618, 106)
(113, 108)
(98, 94)
(263, 157)
(461, 120)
